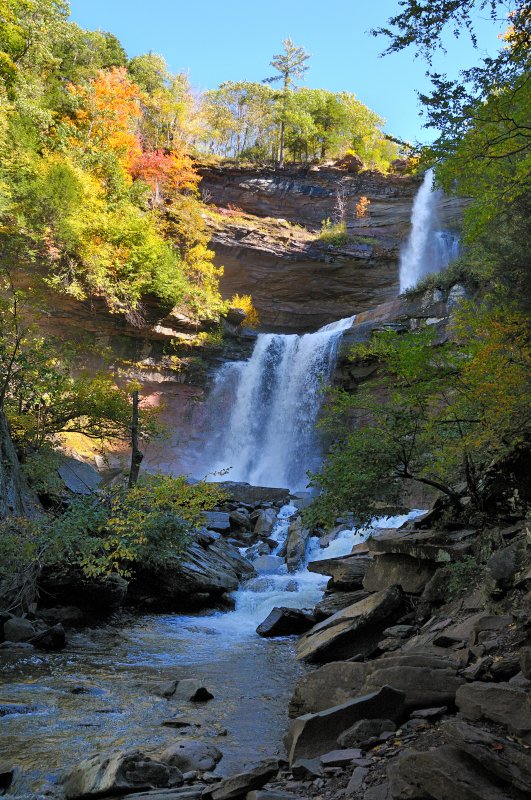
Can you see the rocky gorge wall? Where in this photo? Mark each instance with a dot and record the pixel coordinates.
(269, 241)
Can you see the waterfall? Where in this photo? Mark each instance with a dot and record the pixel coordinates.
(263, 411)
(428, 249)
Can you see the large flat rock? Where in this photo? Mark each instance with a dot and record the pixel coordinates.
(354, 630)
(497, 702)
(430, 545)
(347, 572)
(411, 574)
(312, 735)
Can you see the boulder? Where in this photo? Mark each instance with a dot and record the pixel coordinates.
(426, 681)
(347, 572)
(119, 773)
(78, 476)
(364, 730)
(18, 629)
(69, 587)
(330, 685)
(336, 601)
(501, 568)
(265, 522)
(189, 754)
(340, 758)
(429, 545)
(497, 702)
(209, 566)
(410, 574)
(296, 543)
(238, 785)
(311, 735)
(353, 631)
(240, 517)
(284, 621)
(444, 774)
(253, 495)
(53, 638)
(191, 689)
(504, 760)
(216, 521)
(306, 769)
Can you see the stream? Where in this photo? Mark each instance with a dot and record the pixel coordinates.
(100, 692)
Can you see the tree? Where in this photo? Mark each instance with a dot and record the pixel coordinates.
(438, 415)
(483, 149)
(291, 65)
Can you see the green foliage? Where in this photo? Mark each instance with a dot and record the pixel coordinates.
(333, 233)
(483, 147)
(40, 468)
(438, 415)
(462, 576)
(112, 532)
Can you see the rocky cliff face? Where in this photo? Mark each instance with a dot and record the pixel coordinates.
(267, 240)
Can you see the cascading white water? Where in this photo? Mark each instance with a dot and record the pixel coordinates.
(263, 411)
(428, 249)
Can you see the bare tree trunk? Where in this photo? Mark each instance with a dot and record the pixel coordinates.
(16, 498)
(136, 455)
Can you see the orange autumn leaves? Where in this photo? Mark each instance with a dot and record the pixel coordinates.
(107, 116)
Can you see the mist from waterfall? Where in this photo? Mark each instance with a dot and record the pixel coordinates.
(263, 412)
(428, 248)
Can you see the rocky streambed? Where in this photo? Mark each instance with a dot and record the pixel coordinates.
(410, 678)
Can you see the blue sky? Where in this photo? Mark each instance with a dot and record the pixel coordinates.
(220, 40)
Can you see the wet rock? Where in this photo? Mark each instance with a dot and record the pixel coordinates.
(119, 773)
(364, 730)
(192, 689)
(354, 630)
(504, 760)
(6, 777)
(238, 785)
(332, 534)
(265, 522)
(216, 521)
(189, 755)
(64, 615)
(267, 564)
(296, 544)
(330, 685)
(410, 574)
(14, 708)
(18, 629)
(312, 735)
(498, 702)
(336, 601)
(445, 773)
(284, 621)
(347, 572)
(53, 638)
(429, 713)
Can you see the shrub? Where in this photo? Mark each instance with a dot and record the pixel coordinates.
(333, 233)
(245, 302)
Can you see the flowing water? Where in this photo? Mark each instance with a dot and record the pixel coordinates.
(264, 410)
(428, 248)
(99, 693)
